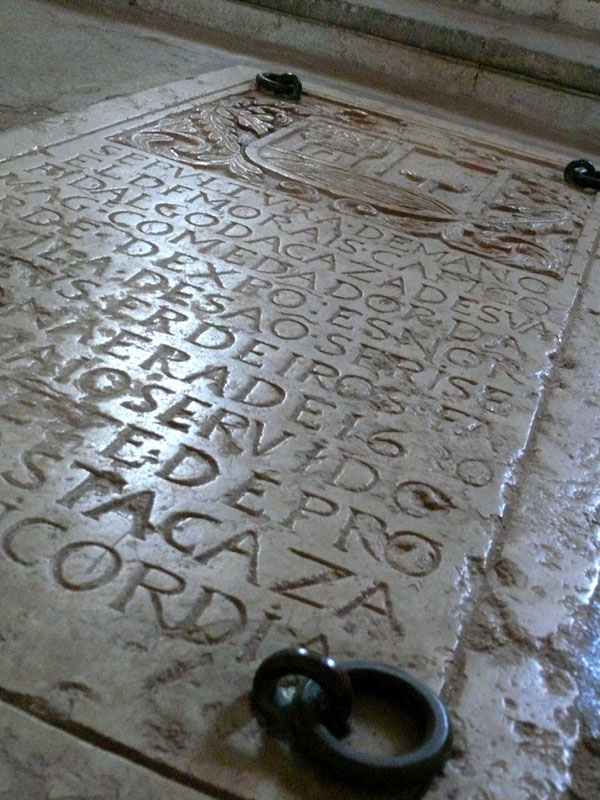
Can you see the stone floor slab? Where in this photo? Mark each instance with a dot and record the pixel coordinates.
(269, 372)
(38, 762)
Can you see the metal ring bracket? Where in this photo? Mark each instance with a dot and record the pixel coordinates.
(287, 84)
(274, 709)
(413, 767)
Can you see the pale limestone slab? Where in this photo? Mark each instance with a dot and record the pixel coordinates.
(38, 762)
(268, 371)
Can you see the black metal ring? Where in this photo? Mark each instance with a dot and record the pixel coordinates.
(583, 174)
(274, 709)
(413, 767)
(287, 84)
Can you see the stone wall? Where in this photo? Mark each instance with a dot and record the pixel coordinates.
(584, 13)
(581, 13)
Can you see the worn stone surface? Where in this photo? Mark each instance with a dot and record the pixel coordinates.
(269, 372)
(40, 763)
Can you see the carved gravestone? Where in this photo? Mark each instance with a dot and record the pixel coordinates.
(267, 372)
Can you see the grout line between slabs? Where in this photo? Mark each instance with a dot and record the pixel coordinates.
(39, 709)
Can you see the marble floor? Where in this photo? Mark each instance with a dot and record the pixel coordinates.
(314, 371)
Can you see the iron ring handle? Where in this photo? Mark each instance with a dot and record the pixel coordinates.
(414, 767)
(274, 710)
(583, 174)
(286, 84)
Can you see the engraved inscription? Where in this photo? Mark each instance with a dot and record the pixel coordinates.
(267, 369)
